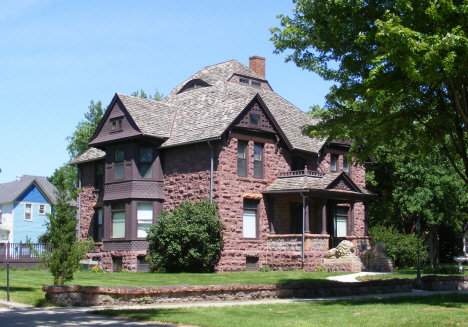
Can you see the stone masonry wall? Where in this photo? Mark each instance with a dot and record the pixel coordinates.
(89, 198)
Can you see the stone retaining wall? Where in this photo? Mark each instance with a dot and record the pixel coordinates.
(444, 283)
(94, 296)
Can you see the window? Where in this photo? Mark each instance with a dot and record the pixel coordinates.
(333, 160)
(27, 211)
(118, 220)
(42, 209)
(144, 218)
(242, 158)
(249, 219)
(119, 157)
(98, 232)
(258, 160)
(145, 162)
(116, 264)
(116, 125)
(345, 165)
(143, 265)
(244, 81)
(194, 85)
(340, 222)
(99, 183)
(254, 120)
(256, 84)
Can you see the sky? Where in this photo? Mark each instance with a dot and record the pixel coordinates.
(57, 56)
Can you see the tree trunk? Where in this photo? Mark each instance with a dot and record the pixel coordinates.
(433, 244)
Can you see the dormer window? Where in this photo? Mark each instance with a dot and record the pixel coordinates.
(256, 84)
(254, 120)
(244, 81)
(116, 125)
(195, 84)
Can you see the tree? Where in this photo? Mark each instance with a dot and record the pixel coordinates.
(401, 69)
(157, 96)
(66, 251)
(188, 240)
(416, 187)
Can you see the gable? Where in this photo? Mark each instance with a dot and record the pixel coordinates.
(116, 124)
(32, 194)
(255, 110)
(342, 183)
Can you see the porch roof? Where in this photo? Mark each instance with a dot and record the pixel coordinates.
(306, 181)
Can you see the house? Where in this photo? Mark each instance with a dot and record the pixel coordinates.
(24, 205)
(222, 134)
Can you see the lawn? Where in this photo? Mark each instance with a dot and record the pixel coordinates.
(26, 286)
(435, 310)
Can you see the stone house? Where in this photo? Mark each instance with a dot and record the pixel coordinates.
(222, 134)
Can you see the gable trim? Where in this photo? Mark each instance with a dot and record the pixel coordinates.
(340, 180)
(39, 188)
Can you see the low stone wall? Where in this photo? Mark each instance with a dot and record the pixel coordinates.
(444, 283)
(95, 296)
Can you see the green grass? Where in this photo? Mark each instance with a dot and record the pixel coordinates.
(435, 310)
(26, 286)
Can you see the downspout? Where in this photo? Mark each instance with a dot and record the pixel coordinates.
(303, 225)
(79, 203)
(211, 172)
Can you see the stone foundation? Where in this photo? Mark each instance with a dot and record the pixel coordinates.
(444, 283)
(95, 296)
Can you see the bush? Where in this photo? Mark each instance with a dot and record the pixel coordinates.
(37, 268)
(25, 268)
(188, 240)
(403, 248)
(444, 269)
(2, 268)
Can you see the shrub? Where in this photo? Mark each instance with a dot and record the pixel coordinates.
(2, 268)
(96, 268)
(188, 240)
(403, 248)
(37, 268)
(25, 268)
(444, 269)
(12, 268)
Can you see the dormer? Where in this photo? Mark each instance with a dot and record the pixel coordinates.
(193, 84)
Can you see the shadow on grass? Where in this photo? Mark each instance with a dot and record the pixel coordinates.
(448, 300)
(142, 314)
(307, 280)
(18, 289)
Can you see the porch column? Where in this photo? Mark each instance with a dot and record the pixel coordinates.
(366, 223)
(351, 219)
(307, 222)
(324, 217)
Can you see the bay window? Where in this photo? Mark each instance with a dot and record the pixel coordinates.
(144, 218)
(118, 220)
(119, 157)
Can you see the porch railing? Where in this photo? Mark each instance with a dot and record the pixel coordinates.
(19, 252)
(304, 172)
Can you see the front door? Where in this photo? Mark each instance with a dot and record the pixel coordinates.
(296, 218)
(337, 224)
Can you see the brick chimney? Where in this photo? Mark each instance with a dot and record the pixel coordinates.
(257, 64)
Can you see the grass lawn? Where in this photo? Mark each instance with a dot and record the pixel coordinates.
(434, 310)
(26, 286)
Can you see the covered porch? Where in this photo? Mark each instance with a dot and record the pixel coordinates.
(311, 212)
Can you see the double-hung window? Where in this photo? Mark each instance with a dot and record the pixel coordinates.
(118, 220)
(345, 165)
(144, 218)
(242, 158)
(99, 183)
(42, 209)
(28, 211)
(119, 157)
(249, 219)
(333, 161)
(258, 160)
(145, 162)
(98, 233)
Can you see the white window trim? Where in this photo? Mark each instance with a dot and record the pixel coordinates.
(30, 212)
(39, 209)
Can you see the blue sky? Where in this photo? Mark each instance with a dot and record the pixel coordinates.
(57, 56)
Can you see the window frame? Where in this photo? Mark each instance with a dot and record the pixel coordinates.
(341, 216)
(250, 205)
(116, 124)
(333, 162)
(99, 178)
(345, 165)
(117, 210)
(149, 163)
(119, 164)
(261, 161)
(43, 211)
(137, 218)
(244, 159)
(244, 81)
(256, 84)
(99, 226)
(30, 211)
(259, 120)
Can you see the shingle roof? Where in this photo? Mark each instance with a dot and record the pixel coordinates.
(205, 113)
(9, 192)
(90, 155)
(153, 118)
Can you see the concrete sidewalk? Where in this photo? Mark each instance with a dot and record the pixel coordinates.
(351, 278)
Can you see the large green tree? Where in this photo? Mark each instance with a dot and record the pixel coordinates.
(400, 67)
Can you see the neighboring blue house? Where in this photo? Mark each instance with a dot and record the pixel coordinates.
(24, 205)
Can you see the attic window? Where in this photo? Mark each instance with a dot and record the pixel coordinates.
(116, 125)
(255, 120)
(194, 85)
(244, 81)
(256, 84)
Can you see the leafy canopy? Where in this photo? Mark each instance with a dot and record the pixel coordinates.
(400, 68)
(188, 240)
